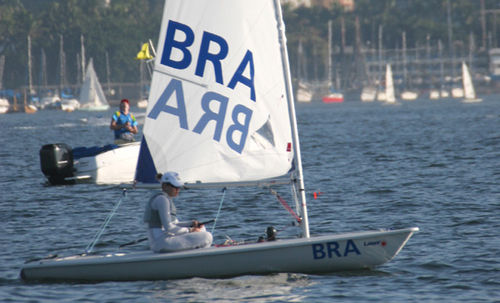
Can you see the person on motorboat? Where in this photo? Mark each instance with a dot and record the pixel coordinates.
(124, 124)
(165, 232)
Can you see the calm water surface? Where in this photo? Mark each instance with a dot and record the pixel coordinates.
(431, 164)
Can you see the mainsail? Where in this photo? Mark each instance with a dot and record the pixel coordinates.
(217, 107)
(91, 94)
(469, 91)
(389, 85)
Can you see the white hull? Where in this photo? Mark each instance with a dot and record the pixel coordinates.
(434, 95)
(70, 105)
(368, 94)
(472, 100)
(457, 92)
(304, 95)
(4, 105)
(50, 102)
(409, 95)
(94, 108)
(381, 96)
(142, 103)
(116, 166)
(316, 255)
(444, 94)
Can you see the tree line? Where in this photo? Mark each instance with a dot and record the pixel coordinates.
(116, 30)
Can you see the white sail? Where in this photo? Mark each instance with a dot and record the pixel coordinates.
(389, 85)
(217, 108)
(469, 92)
(91, 95)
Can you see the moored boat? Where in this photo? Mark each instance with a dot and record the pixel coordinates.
(109, 164)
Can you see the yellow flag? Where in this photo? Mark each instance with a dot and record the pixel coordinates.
(144, 53)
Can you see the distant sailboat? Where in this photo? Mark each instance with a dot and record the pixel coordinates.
(91, 95)
(469, 92)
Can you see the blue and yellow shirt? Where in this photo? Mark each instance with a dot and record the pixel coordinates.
(122, 119)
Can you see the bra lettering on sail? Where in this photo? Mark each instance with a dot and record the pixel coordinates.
(181, 48)
(240, 112)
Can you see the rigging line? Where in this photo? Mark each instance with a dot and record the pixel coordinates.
(287, 207)
(218, 211)
(295, 197)
(91, 245)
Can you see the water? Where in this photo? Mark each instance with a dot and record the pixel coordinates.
(431, 164)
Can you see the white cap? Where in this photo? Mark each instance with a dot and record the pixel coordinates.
(172, 178)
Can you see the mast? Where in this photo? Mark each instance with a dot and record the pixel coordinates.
(62, 64)
(441, 64)
(329, 54)
(293, 120)
(450, 38)
(429, 61)
(83, 57)
(2, 64)
(380, 29)
(30, 79)
(405, 62)
(108, 73)
(43, 69)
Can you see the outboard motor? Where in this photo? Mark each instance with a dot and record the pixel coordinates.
(56, 161)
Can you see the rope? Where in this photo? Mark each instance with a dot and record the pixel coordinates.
(91, 245)
(286, 206)
(220, 207)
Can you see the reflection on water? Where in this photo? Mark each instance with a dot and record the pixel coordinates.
(269, 288)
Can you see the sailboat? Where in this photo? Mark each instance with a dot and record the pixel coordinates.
(390, 96)
(469, 91)
(92, 97)
(231, 125)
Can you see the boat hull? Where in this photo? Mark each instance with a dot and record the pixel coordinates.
(315, 255)
(116, 166)
(333, 98)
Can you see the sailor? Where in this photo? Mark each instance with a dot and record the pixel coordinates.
(165, 232)
(124, 124)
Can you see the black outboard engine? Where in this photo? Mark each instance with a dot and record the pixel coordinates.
(56, 161)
